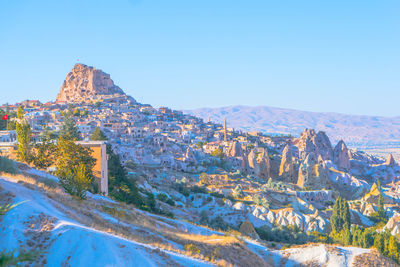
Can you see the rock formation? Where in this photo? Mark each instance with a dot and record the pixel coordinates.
(393, 225)
(258, 163)
(390, 161)
(313, 172)
(286, 169)
(85, 83)
(252, 159)
(235, 149)
(189, 156)
(311, 142)
(247, 228)
(341, 156)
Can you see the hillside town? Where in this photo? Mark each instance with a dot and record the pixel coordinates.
(212, 174)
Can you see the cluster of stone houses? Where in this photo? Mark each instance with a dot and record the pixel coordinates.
(139, 132)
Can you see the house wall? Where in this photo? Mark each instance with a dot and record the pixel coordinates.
(99, 153)
(100, 169)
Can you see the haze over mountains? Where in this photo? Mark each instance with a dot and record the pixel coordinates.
(353, 129)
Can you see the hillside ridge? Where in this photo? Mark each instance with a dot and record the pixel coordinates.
(353, 129)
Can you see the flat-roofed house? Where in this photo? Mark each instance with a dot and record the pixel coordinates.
(100, 169)
(8, 136)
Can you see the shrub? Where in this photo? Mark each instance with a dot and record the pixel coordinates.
(204, 217)
(181, 188)
(219, 153)
(162, 197)
(8, 165)
(219, 223)
(170, 201)
(76, 181)
(198, 190)
(287, 234)
(192, 249)
(9, 258)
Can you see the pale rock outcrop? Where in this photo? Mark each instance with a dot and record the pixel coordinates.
(366, 208)
(287, 168)
(85, 83)
(239, 206)
(258, 163)
(311, 142)
(252, 159)
(247, 228)
(313, 172)
(234, 149)
(341, 156)
(390, 161)
(373, 196)
(189, 156)
(305, 222)
(393, 225)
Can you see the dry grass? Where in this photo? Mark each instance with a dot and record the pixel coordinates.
(46, 184)
(152, 230)
(212, 239)
(373, 259)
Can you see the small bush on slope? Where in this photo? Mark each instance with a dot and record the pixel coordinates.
(9, 258)
(8, 165)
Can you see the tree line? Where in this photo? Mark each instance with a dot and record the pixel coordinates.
(74, 163)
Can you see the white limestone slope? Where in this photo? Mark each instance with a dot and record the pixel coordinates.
(68, 242)
(318, 255)
(74, 244)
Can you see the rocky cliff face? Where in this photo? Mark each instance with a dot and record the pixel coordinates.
(258, 163)
(393, 225)
(341, 156)
(317, 143)
(287, 168)
(85, 83)
(390, 161)
(313, 172)
(235, 149)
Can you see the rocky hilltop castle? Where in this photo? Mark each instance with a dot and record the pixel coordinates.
(85, 84)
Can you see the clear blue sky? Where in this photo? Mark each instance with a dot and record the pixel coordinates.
(341, 56)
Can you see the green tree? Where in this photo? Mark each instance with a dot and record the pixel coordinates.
(340, 219)
(120, 186)
(24, 137)
(69, 131)
(393, 248)
(357, 237)
(379, 242)
(204, 178)
(76, 112)
(98, 135)
(74, 167)
(381, 208)
(3, 124)
(10, 123)
(43, 155)
(346, 237)
(219, 153)
(367, 238)
(378, 185)
(346, 215)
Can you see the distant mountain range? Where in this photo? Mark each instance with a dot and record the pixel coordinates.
(353, 129)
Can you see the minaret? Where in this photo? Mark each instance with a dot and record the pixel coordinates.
(225, 130)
